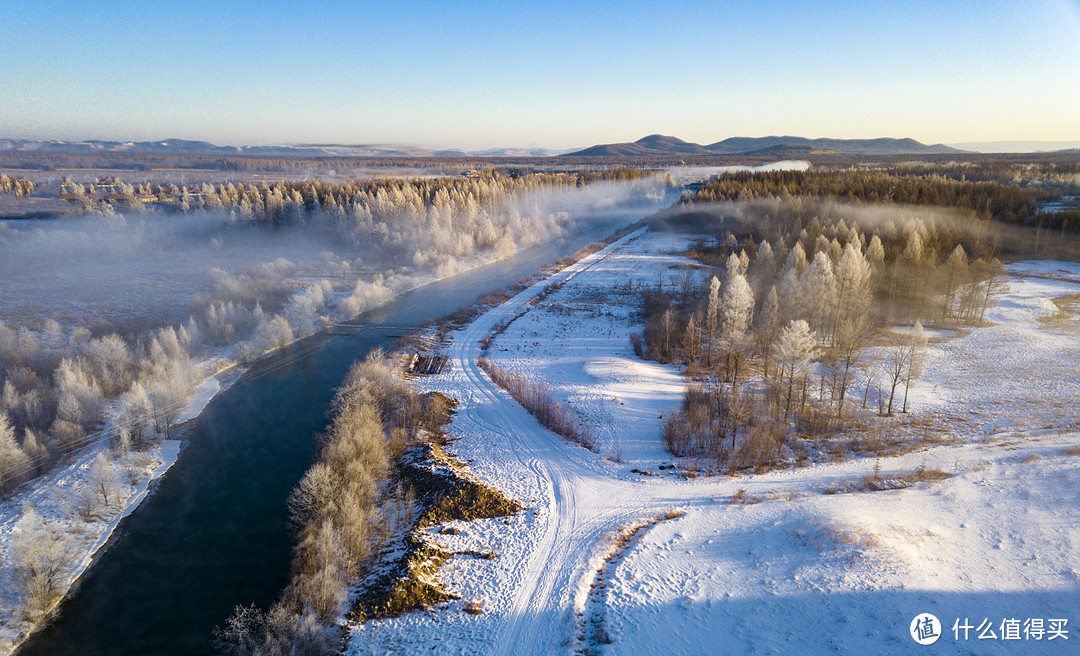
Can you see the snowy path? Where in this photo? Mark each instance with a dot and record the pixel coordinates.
(575, 499)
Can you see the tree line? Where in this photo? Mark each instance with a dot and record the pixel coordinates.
(16, 186)
(1007, 203)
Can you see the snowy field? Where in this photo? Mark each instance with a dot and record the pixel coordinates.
(578, 341)
(795, 570)
(1017, 373)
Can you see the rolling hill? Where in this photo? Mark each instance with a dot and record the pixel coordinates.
(657, 145)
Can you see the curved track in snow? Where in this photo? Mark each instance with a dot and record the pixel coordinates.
(582, 499)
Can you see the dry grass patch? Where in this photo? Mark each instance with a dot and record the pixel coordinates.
(744, 498)
(445, 492)
(592, 632)
(1071, 451)
(1068, 308)
(411, 584)
(878, 482)
(837, 540)
(536, 397)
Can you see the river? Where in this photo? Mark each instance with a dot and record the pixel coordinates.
(214, 534)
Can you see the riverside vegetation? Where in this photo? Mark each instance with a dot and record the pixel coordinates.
(382, 478)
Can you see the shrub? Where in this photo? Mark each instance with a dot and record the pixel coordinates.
(537, 399)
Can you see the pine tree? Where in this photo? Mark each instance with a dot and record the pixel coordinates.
(796, 259)
(875, 251)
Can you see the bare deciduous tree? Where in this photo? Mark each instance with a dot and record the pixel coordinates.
(42, 556)
(104, 480)
(795, 348)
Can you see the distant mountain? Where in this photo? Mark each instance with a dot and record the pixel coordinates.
(1019, 146)
(166, 146)
(659, 145)
(879, 146)
(652, 145)
(186, 147)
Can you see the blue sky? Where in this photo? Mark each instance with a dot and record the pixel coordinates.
(481, 74)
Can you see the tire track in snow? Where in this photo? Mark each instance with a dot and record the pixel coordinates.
(557, 472)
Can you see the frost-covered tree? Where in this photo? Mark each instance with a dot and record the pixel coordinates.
(736, 310)
(835, 251)
(854, 290)
(956, 272)
(321, 586)
(136, 414)
(789, 293)
(667, 330)
(105, 481)
(732, 267)
(302, 310)
(852, 332)
(917, 345)
(13, 461)
(875, 251)
(712, 318)
(818, 291)
(42, 555)
(36, 453)
(690, 340)
(78, 395)
(769, 324)
(762, 270)
(109, 361)
(796, 259)
(795, 348)
(168, 391)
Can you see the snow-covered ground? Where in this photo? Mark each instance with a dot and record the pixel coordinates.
(846, 573)
(53, 499)
(578, 340)
(801, 571)
(1016, 373)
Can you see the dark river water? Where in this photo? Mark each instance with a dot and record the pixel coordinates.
(214, 534)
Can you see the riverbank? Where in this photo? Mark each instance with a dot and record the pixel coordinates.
(55, 499)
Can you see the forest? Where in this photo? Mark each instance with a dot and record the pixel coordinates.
(987, 194)
(805, 290)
